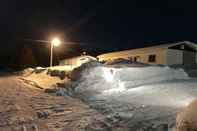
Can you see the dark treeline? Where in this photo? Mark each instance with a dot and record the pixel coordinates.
(31, 54)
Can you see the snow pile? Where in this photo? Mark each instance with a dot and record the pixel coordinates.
(118, 61)
(149, 95)
(136, 85)
(124, 63)
(45, 78)
(27, 71)
(85, 68)
(63, 68)
(107, 79)
(187, 118)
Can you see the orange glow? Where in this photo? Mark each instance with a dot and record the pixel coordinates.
(56, 42)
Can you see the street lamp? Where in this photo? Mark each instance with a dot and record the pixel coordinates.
(55, 42)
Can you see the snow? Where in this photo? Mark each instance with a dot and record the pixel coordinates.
(43, 77)
(143, 96)
(137, 94)
(120, 62)
(63, 68)
(108, 79)
(187, 118)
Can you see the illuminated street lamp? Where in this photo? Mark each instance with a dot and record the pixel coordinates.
(54, 43)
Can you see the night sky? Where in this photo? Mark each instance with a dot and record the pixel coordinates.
(102, 24)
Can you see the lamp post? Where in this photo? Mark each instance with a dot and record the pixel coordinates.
(54, 43)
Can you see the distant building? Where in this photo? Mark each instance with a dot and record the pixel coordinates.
(181, 53)
(77, 61)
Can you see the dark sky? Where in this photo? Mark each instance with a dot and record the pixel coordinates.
(112, 24)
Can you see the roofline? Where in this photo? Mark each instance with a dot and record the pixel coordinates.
(75, 57)
(162, 46)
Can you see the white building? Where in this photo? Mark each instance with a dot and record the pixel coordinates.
(181, 53)
(76, 61)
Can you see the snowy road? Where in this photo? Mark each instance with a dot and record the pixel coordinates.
(148, 97)
(26, 108)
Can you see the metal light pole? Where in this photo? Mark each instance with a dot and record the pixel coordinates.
(54, 42)
(51, 56)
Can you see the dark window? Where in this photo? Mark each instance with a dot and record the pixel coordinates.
(182, 47)
(135, 59)
(130, 58)
(152, 58)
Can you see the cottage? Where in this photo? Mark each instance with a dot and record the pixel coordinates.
(181, 53)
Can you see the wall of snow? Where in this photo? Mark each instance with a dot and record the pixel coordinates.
(143, 96)
(106, 78)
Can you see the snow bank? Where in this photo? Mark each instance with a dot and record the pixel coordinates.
(141, 86)
(150, 94)
(124, 63)
(27, 71)
(85, 68)
(105, 79)
(63, 68)
(187, 120)
(46, 77)
(43, 79)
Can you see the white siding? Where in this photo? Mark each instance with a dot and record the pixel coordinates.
(174, 57)
(72, 61)
(196, 58)
(141, 56)
(76, 61)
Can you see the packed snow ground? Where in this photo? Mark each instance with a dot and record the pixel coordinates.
(145, 97)
(26, 108)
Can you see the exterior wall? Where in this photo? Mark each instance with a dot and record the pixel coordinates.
(174, 57)
(76, 61)
(189, 58)
(166, 54)
(196, 58)
(141, 57)
(144, 58)
(69, 62)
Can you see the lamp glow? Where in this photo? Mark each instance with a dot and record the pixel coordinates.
(56, 42)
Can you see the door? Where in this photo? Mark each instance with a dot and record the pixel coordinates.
(189, 58)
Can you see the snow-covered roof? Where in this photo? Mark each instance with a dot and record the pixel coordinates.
(147, 49)
(79, 57)
(166, 46)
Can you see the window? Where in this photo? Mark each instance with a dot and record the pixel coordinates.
(182, 47)
(135, 59)
(152, 58)
(130, 58)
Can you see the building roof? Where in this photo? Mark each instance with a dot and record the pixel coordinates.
(78, 57)
(147, 49)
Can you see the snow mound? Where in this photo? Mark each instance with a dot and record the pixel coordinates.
(118, 61)
(140, 76)
(124, 63)
(26, 71)
(187, 118)
(105, 79)
(29, 71)
(85, 68)
(146, 96)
